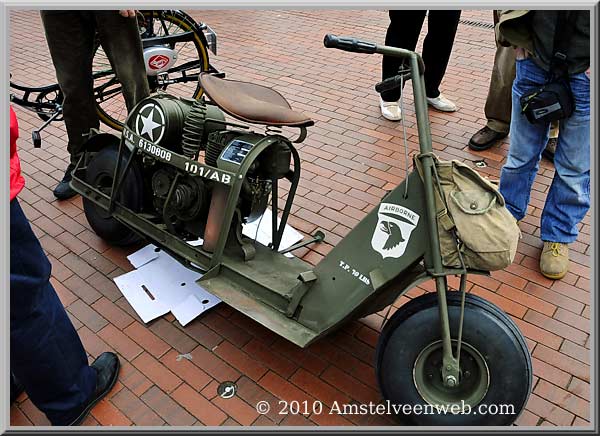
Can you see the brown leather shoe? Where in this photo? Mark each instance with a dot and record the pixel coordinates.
(554, 261)
(484, 139)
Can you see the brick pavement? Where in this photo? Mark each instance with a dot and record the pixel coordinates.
(350, 158)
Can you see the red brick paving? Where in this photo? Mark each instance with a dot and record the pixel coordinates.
(350, 158)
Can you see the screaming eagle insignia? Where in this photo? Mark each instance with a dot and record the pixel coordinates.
(394, 227)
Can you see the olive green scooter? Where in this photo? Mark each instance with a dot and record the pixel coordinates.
(444, 358)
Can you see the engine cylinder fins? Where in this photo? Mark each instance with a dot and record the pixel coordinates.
(193, 130)
(199, 123)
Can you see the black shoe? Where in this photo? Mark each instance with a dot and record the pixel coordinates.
(63, 190)
(550, 149)
(107, 368)
(484, 139)
(16, 388)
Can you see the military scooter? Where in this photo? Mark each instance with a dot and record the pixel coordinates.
(182, 171)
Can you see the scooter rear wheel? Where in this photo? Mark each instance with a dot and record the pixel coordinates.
(100, 174)
(495, 364)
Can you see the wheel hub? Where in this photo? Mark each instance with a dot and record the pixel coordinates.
(468, 390)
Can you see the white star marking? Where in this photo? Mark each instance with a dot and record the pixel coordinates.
(149, 124)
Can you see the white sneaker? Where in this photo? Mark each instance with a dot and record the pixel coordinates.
(390, 110)
(441, 103)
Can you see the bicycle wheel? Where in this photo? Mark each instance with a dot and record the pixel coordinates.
(181, 79)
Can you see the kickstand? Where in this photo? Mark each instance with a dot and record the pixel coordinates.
(317, 237)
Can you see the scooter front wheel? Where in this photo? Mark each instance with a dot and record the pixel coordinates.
(495, 377)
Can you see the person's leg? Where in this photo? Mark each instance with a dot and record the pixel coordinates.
(526, 143)
(46, 354)
(403, 32)
(498, 104)
(70, 37)
(437, 47)
(568, 199)
(121, 41)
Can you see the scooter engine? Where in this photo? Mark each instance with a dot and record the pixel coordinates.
(181, 195)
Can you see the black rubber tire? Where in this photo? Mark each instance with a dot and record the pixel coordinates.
(100, 171)
(486, 328)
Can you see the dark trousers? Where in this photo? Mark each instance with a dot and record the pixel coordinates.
(403, 32)
(46, 354)
(71, 40)
(498, 105)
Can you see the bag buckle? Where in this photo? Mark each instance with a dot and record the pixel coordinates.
(560, 56)
(445, 220)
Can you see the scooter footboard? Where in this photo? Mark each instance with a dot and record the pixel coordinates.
(388, 243)
(377, 261)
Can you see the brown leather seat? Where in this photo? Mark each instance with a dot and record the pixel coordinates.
(252, 103)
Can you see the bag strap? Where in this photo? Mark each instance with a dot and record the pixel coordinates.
(442, 214)
(444, 219)
(562, 35)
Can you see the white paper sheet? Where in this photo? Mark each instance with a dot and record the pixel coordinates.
(143, 256)
(147, 308)
(263, 235)
(160, 284)
(189, 309)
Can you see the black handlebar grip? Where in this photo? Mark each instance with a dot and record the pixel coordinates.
(392, 82)
(349, 44)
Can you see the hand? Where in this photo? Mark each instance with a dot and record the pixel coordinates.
(520, 53)
(127, 13)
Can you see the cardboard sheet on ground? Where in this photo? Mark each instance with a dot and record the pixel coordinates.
(261, 231)
(160, 284)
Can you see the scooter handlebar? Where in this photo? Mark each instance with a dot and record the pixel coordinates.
(392, 82)
(357, 46)
(349, 44)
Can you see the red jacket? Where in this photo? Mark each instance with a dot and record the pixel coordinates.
(16, 179)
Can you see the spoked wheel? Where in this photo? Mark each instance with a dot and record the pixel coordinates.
(100, 174)
(495, 365)
(181, 79)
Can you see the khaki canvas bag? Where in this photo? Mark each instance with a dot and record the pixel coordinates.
(472, 218)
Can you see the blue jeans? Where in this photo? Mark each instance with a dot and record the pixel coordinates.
(568, 199)
(46, 354)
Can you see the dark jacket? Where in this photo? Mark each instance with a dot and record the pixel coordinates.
(534, 31)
